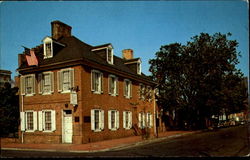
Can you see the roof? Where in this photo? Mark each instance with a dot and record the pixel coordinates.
(75, 49)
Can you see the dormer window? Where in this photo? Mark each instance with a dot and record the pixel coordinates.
(110, 55)
(47, 47)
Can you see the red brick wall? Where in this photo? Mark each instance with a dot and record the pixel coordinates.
(86, 101)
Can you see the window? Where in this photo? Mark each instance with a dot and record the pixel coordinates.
(28, 121)
(28, 85)
(127, 119)
(47, 120)
(142, 91)
(46, 83)
(127, 88)
(97, 81)
(48, 47)
(113, 119)
(141, 122)
(65, 80)
(113, 85)
(97, 120)
(149, 120)
(110, 55)
(149, 93)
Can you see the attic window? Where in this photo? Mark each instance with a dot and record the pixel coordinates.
(48, 47)
(110, 55)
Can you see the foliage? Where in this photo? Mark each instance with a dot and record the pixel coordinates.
(199, 79)
(9, 110)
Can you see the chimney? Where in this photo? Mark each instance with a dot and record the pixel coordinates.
(59, 30)
(127, 54)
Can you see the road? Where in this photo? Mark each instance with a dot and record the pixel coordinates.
(224, 142)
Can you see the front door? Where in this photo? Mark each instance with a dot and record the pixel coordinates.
(67, 126)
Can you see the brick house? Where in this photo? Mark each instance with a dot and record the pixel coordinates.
(80, 93)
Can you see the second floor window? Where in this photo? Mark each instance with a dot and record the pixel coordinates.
(127, 88)
(142, 91)
(46, 83)
(96, 81)
(113, 85)
(27, 83)
(65, 80)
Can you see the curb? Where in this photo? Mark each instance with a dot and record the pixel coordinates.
(120, 147)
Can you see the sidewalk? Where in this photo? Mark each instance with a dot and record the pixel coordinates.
(100, 146)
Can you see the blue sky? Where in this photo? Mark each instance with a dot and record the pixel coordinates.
(140, 25)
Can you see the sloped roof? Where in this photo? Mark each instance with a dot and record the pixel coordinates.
(75, 49)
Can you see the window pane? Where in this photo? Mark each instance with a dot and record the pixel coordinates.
(47, 83)
(47, 120)
(28, 84)
(29, 120)
(112, 119)
(48, 49)
(66, 82)
(97, 119)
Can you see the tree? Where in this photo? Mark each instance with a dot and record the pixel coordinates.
(194, 77)
(9, 110)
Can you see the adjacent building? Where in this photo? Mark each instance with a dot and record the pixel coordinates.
(5, 77)
(73, 92)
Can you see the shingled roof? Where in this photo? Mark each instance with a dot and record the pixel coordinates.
(75, 49)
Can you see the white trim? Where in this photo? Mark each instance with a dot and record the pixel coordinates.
(100, 86)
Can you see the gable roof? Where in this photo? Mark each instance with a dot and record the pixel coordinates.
(75, 49)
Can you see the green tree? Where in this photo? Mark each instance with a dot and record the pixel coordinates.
(194, 78)
(9, 110)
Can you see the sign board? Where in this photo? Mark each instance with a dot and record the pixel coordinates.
(73, 98)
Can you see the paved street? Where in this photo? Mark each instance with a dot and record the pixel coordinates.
(233, 141)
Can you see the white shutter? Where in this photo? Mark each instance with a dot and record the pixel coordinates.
(92, 81)
(130, 86)
(147, 119)
(33, 77)
(53, 120)
(40, 120)
(151, 120)
(139, 119)
(101, 82)
(22, 85)
(22, 119)
(117, 85)
(92, 119)
(72, 78)
(52, 81)
(117, 119)
(130, 120)
(59, 81)
(102, 119)
(143, 119)
(109, 119)
(34, 121)
(124, 119)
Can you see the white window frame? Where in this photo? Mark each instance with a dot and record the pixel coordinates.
(150, 94)
(116, 85)
(60, 78)
(149, 120)
(47, 40)
(23, 84)
(141, 120)
(41, 81)
(99, 89)
(100, 118)
(142, 91)
(24, 121)
(129, 91)
(127, 114)
(116, 120)
(41, 121)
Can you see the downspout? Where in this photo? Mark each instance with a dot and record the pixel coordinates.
(22, 111)
(154, 115)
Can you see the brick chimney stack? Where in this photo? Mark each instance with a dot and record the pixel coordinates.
(59, 30)
(127, 54)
